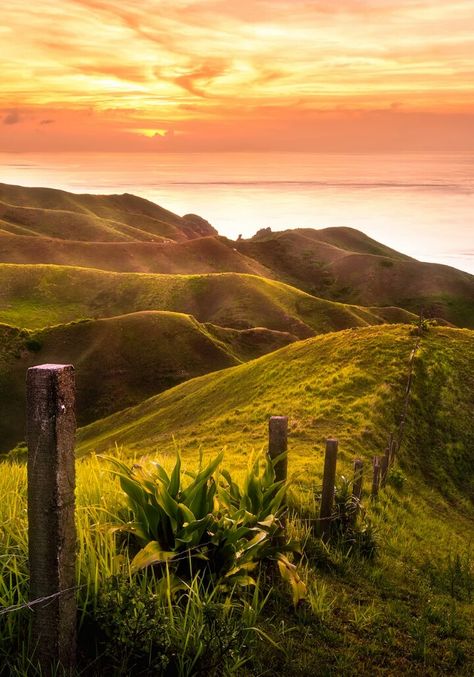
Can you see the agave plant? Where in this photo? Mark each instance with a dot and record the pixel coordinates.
(168, 519)
(207, 525)
(260, 496)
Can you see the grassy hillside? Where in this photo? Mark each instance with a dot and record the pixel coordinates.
(344, 264)
(121, 361)
(348, 384)
(125, 233)
(408, 610)
(443, 291)
(39, 296)
(199, 255)
(47, 212)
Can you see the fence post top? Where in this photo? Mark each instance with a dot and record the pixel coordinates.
(278, 418)
(51, 367)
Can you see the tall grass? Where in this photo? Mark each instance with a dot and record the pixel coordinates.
(407, 610)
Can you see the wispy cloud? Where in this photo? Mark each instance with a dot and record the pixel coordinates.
(13, 117)
(180, 64)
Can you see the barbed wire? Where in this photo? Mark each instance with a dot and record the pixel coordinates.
(48, 599)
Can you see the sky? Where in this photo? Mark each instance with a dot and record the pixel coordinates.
(253, 75)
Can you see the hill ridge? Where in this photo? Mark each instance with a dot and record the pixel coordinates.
(133, 234)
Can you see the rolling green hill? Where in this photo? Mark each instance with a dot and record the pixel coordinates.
(348, 384)
(120, 361)
(345, 265)
(199, 255)
(36, 296)
(47, 212)
(125, 233)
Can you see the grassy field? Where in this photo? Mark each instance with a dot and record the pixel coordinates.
(409, 609)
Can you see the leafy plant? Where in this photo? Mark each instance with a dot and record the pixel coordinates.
(208, 526)
(396, 478)
(142, 630)
(351, 528)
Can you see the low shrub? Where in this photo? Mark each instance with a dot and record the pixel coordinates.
(208, 525)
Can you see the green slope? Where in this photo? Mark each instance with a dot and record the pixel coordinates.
(122, 360)
(35, 296)
(56, 213)
(119, 362)
(343, 264)
(199, 255)
(348, 384)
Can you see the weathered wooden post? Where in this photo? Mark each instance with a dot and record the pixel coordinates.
(51, 426)
(384, 466)
(327, 495)
(393, 450)
(278, 444)
(376, 477)
(357, 487)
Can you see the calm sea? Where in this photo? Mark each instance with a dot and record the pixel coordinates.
(419, 203)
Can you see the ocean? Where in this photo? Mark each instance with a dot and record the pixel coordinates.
(421, 204)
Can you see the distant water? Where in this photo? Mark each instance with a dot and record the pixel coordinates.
(421, 204)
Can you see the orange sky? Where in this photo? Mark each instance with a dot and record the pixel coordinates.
(247, 75)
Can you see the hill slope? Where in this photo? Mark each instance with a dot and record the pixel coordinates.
(346, 265)
(119, 362)
(126, 233)
(38, 296)
(347, 384)
(47, 212)
(199, 255)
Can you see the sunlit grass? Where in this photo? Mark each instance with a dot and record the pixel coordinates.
(418, 592)
(409, 609)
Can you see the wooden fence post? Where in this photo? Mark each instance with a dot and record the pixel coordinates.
(51, 425)
(376, 477)
(357, 487)
(278, 444)
(384, 466)
(393, 451)
(329, 479)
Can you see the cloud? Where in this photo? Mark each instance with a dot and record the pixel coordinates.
(196, 80)
(13, 117)
(213, 67)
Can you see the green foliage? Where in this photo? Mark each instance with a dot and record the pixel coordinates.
(142, 628)
(351, 528)
(132, 626)
(454, 575)
(396, 478)
(208, 526)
